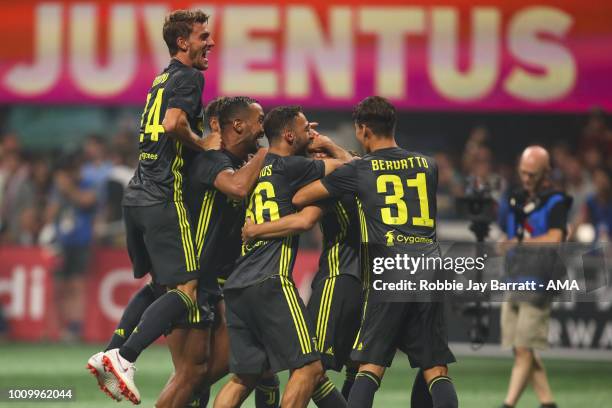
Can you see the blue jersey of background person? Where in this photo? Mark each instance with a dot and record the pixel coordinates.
(551, 209)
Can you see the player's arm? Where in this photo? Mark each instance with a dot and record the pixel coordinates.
(310, 193)
(553, 236)
(292, 224)
(237, 184)
(176, 124)
(322, 143)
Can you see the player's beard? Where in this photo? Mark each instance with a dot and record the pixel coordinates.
(197, 57)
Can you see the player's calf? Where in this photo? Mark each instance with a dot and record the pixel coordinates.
(367, 382)
(301, 385)
(235, 391)
(326, 395)
(441, 387)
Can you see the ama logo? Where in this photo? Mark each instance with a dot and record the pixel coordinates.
(390, 238)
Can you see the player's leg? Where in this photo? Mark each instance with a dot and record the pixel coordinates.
(267, 391)
(301, 385)
(420, 396)
(425, 342)
(168, 239)
(349, 378)
(175, 340)
(375, 346)
(335, 305)
(132, 313)
(247, 356)
(236, 391)
(192, 371)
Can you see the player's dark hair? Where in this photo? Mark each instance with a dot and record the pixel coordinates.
(231, 108)
(180, 23)
(378, 114)
(212, 109)
(278, 120)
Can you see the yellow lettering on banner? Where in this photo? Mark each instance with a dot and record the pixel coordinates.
(240, 51)
(480, 79)
(527, 44)
(391, 25)
(118, 72)
(308, 50)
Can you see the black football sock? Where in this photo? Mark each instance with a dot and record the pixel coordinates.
(548, 405)
(326, 395)
(362, 393)
(131, 316)
(443, 392)
(267, 393)
(156, 320)
(348, 381)
(199, 399)
(420, 397)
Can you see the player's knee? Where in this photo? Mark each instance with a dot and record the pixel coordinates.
(313, 371)
(192, 374)
(437, 371)
(523, 353)
(190, 289)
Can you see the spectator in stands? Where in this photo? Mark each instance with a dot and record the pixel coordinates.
(17, 220)
(71, 210)
(597, 209)
(577, 184)
(450, 185)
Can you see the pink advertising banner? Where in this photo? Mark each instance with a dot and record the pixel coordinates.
(430, 55)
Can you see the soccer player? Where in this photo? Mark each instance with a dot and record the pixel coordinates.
(267, 321)
(337, 294)
(218, 183)
(151, 291)
(158, 226)
(396, 191)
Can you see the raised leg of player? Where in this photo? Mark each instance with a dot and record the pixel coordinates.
(539, 379)
(161, 315)
(236, 391)
(129, 319)
(366, 384)
(301, 385)
(441, 387)
(521, 372)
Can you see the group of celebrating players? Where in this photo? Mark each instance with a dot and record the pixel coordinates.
(215, 221)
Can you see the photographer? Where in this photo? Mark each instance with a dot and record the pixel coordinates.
(536, 216)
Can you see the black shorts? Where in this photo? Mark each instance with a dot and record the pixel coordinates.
(335, 306)
(269, 328)
(159, 240)
(416, 328)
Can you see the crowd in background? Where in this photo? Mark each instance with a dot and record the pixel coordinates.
(69, 201)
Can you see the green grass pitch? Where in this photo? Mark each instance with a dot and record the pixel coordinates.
(480, 382)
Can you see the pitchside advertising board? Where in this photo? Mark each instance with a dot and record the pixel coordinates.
(27, 290)
(518, 55)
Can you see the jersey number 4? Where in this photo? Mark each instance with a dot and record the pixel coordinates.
(394, 196)
(153, 127)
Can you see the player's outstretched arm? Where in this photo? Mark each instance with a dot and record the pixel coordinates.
(237, 184)
(285, 226)
(310, 193)
(176, 125)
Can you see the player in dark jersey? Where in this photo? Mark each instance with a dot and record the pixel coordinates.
(396, 191)
(219, 181)
(158, 225)
(337, 294)
(151, 291)
(269, 329)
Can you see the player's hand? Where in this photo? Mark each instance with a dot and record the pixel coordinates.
(247, 230)
(212, 141)
(320, 143)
